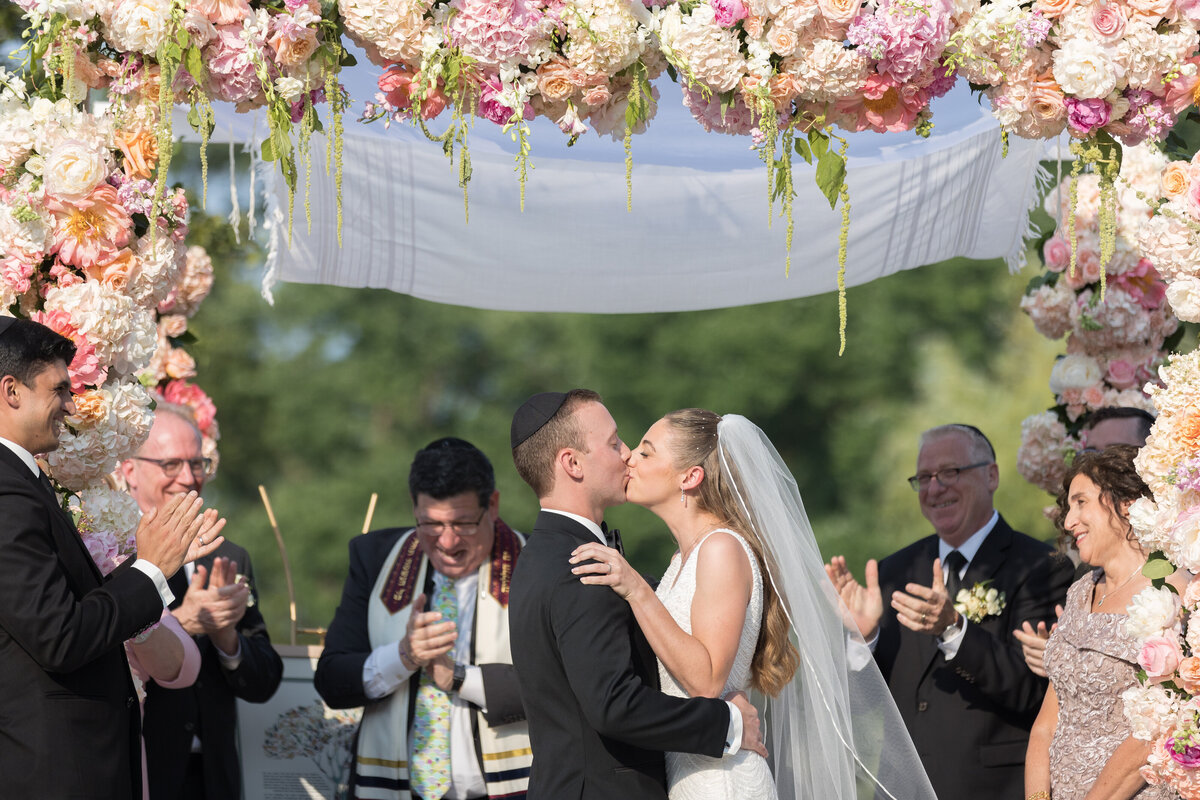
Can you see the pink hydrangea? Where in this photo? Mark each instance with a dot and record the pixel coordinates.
(905, 39)
(1144, 284)
(494, 31)
(231, 70)
(737, 120)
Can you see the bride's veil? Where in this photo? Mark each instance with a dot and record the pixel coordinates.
(833, 731)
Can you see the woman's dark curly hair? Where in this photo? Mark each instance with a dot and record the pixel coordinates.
(1113, 473)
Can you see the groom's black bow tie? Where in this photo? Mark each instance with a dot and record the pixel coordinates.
(613, 538)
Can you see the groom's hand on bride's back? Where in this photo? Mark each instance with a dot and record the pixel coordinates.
(751, 725)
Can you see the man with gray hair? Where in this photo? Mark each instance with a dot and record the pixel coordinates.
(191, 733)
(958, 676)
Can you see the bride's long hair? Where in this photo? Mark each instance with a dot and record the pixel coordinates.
(695, 444)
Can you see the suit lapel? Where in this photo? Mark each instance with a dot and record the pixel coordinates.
(67, 541)
(991, 556)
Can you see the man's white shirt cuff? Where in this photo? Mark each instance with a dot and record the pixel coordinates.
(472, 687)
(230, 661)
(384, 671)
(155, 574)
(949, 647)
(733, 737)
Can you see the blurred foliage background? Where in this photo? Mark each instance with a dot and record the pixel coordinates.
(324, 397)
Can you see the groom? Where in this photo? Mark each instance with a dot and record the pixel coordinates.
(597, 725)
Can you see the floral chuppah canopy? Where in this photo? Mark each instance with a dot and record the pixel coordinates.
(92, 240)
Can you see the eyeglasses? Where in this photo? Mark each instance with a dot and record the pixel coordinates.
(946, 477)
(172, 466)
(432, 529)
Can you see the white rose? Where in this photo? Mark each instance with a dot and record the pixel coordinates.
(73, 170)
(1151, 612)
(1074, 372)
(290, 89)
(1143, 516)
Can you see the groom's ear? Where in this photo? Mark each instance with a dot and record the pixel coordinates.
(568, 460)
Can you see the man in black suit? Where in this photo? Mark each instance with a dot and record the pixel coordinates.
(191, 733)
(390, 651)
(68, 711)
(597, 724)
(962, 685)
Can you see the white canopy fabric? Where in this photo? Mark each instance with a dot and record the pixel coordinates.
(697, 237)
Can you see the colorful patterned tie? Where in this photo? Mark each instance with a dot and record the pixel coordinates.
(429, 768)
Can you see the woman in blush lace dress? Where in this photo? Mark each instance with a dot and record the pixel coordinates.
(1081, 746)
(747, 586)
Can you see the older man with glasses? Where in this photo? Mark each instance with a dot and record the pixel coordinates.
(190, 733)
(421, 640)
(958, 674)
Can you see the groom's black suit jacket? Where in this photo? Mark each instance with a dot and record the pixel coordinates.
(970, 717)
(597, 725)
(68, 712)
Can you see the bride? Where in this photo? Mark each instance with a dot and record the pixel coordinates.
(745, 604)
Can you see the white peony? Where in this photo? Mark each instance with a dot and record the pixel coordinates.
(1151, 612)
(1183, 294)
(138, 25)
(1086, 70)
(73, 169)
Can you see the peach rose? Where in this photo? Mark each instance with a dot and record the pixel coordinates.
(596, 96)
(1053, 9)
(782, 90)
(841, 11)
(1191, 595)
(1153, 8)
(553, 80)
(782, 39)
(1189, 674)
(140, 148)
(172, 325)
(753, 26)
(293, 44)
(91, 407)
(178, 364)
(1175, 180)
(1046, 101)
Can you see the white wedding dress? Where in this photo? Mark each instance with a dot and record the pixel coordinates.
(745, 775)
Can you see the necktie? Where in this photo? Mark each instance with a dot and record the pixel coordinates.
(429, 767)
(955, 561)
(613, 538)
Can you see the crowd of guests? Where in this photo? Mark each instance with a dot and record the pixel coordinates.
(1017, 696)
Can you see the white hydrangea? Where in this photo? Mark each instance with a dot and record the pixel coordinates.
(1150, 710)
(710, 54)
(109, 510)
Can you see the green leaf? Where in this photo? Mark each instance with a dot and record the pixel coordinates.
(268, 150)
(1158, 566)
(194, 63)
(819, 142)
(803, 150)
(831, 174)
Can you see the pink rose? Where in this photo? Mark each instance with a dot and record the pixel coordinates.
(1056, 253)
(728, 12)
(1122, 374)
(1108, 20)
(1160, 656)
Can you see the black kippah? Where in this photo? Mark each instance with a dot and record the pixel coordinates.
(533, 414)
(6, 323)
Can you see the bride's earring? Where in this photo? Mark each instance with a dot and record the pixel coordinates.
(683, 498)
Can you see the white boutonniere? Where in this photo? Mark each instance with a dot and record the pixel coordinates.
(245, 581)
(979, 602)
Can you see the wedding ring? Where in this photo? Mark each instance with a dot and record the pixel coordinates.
(609, 568)
(923, 616)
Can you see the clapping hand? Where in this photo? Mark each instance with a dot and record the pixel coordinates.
(1033, 643)
(214, 604)
(178, 532)
(428, 642)
(865, 603)
(926, 609)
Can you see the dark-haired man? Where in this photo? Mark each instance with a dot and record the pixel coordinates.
(421, 640)
(69, 717)
(1117, 425)
(599, 727)
(961, 684)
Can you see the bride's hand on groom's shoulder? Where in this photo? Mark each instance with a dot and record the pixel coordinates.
(865, 603)
(603, 566)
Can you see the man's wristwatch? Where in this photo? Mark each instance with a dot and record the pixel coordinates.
(460, 675)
